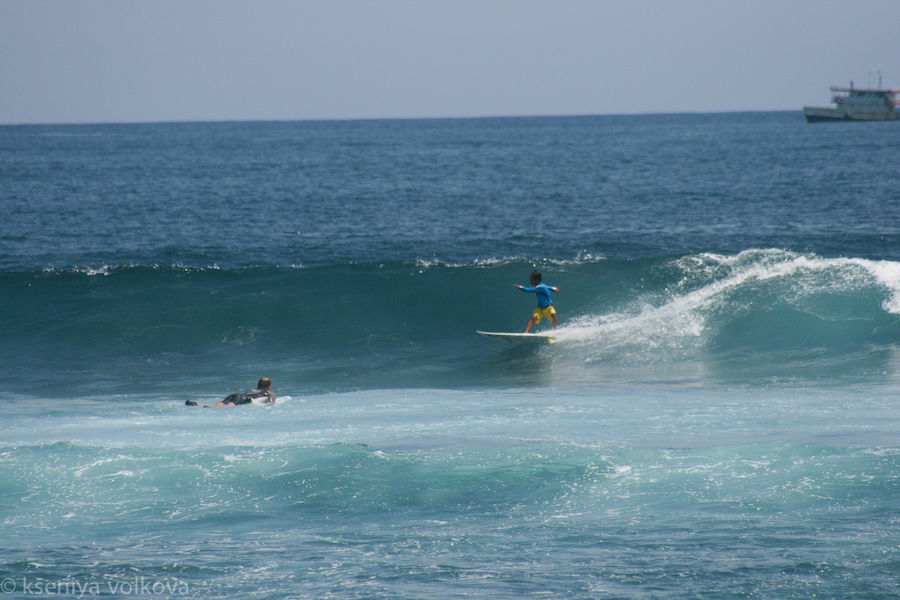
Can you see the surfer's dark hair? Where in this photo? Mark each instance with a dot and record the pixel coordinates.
(536, 275)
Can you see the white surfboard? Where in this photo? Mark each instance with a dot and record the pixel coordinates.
(518, 337)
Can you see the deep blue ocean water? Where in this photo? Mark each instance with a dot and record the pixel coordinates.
(718, 417)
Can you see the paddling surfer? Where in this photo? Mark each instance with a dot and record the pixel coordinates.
(261, 395)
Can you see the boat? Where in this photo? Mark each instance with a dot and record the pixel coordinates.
(853, 104)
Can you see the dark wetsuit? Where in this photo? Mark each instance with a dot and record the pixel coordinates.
(249, 397)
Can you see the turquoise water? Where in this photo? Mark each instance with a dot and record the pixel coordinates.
(717, 419)
(568, 492)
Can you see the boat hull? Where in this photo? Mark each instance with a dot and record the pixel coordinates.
(819, 115)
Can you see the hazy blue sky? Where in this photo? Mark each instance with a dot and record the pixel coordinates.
(159, 60)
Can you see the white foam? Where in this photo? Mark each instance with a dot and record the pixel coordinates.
(580, 258)
(887, 274)
(681, 319)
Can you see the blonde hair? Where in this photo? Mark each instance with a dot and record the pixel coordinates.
(264, 383)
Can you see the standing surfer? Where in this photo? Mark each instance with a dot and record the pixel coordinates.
(544, 301)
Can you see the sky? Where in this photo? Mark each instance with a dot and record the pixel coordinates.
(100, 61)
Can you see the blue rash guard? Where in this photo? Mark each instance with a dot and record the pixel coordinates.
(543, 294)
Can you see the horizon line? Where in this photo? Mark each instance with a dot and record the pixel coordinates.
(355, 119)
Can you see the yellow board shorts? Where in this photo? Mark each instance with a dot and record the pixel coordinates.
(547, 311)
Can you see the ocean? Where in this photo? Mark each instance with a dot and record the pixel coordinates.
(717, 418)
